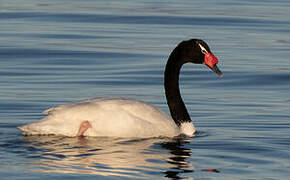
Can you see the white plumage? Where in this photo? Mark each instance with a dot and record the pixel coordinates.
(116, 117)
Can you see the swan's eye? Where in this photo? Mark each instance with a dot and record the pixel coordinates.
(203, 50)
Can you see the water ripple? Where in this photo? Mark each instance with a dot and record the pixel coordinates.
(102, 18)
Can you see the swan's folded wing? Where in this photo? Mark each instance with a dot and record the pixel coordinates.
(66, 106)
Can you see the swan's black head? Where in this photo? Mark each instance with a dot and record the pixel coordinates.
(198, 52)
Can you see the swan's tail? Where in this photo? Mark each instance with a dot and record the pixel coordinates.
(27, 131)
(36, 128)
(44, 128)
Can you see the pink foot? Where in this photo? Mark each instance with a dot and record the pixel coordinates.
(85, 125)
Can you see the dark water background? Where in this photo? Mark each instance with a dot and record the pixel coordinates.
(58, 51)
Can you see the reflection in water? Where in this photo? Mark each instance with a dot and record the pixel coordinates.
(178, 158)
(110, 156)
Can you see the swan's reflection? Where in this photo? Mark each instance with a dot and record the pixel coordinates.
(111, 156)
(179, 157)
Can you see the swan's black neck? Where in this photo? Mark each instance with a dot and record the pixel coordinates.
(171, 83)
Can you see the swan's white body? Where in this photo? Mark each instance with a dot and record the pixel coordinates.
(115, 117)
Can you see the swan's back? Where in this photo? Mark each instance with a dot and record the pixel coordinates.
(117, 117)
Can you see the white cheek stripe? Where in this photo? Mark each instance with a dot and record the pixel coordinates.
(203, 50)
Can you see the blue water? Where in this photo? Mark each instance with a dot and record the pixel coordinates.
(54, 52)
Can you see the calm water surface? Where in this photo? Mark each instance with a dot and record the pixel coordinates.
(54, 52)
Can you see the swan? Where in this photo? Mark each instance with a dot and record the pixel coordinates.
(122, 117)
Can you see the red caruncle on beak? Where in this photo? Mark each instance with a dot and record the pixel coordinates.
(210, 60)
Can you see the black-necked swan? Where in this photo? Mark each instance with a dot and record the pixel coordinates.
(120, 117)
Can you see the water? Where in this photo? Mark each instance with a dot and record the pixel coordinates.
(54, 52)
